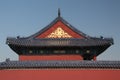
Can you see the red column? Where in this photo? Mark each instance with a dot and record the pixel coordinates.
(94, 58)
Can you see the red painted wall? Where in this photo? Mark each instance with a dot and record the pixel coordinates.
(60, 74)
(53, 57)
(64, 27)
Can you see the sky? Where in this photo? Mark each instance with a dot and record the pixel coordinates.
(93, 17)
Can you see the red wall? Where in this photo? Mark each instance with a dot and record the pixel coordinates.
(60, 74)
(53, 57)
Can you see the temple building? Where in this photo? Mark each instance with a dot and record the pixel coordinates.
(59, 41)
(58, 52)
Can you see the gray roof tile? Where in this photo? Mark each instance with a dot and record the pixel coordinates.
(60, 42)
(61, 64)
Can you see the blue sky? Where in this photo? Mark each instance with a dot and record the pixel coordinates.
(93, 17)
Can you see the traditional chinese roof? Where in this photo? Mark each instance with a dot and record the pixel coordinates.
(84, 39)
(60, 42)
(60, 64)
(59, 18)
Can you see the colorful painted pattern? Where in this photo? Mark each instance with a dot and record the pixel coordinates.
(59, 33)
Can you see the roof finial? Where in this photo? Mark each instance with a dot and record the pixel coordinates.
(58, 12)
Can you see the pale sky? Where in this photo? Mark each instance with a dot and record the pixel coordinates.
(93, 17)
